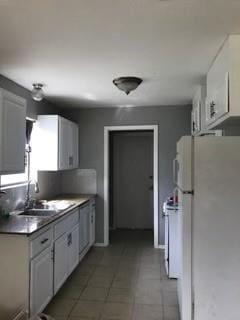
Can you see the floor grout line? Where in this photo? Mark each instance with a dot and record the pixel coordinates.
(129, 255)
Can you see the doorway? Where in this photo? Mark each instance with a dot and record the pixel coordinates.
(131, 179)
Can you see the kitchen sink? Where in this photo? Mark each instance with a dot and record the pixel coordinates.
(39, 212)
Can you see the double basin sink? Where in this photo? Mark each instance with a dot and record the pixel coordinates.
(39, 212)
(51, 209)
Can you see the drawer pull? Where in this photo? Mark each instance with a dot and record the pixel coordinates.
(44, 240)
(69, 239)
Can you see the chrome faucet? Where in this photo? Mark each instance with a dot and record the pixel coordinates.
(30, 202)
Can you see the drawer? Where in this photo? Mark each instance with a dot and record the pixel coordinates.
(40, 243)
(84, 208)
(73, 219)
(66, 224)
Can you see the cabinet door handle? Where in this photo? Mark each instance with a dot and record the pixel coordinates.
(212, 109)
(193, 126)
(69, 239)
(44, 240)
(70, 160)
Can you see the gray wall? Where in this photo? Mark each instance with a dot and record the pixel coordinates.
(33, 107)
(173, 123)
(49, 183)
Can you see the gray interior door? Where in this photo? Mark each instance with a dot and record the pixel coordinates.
(132, 170)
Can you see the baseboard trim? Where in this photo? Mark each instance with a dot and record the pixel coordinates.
(160, 246)
(100, 244)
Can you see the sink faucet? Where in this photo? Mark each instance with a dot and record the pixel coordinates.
(30, 202)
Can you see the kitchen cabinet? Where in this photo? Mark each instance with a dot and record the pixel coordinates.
(84, 230)
(92, 221)
(12, 132)
(197, 109)
(66, 249)
(41, 280)
(75, 148)
(64, 143)
(41, 270)
(36, 265)
(199, 124)
(73, 247)
(60, 262)
(55, 143)
(223, 83)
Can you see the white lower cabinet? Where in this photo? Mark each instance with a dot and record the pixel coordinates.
(84, 232)
(42, 261)
(92, 222)
(66, 256)
(41, 280)
(73, 256)
(60, 262)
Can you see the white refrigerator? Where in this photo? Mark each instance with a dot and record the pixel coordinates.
(207, 175)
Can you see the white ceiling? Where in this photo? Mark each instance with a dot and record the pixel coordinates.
(76, 47)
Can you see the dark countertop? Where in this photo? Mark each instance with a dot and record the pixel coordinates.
(27, 225)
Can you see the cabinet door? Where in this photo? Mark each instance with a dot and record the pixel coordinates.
(64, 140)
(217, 104)
(87, 227)
(75, 145)
(196, 111)
(60, 262)
(222, 98)
(12, 132)
(92, 229)
(70, 145)
(196, 118)
(84, 226)
(81, 231)
(41, 281)
(73, 248)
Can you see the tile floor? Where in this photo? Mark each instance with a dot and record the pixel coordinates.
(126, 281)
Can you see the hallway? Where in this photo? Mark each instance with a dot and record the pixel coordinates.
(124, 281)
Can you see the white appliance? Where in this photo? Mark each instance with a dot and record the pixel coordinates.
(207, 173)
(170, 213)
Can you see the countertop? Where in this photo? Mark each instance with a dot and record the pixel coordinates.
(27, 225)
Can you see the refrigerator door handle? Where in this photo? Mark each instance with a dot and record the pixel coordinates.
(188, 192)
(183, 191)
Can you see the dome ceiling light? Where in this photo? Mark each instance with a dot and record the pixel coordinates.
(127, 84)
(37, 91)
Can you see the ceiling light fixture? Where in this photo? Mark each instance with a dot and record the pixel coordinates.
(37, 91)
(127, 84)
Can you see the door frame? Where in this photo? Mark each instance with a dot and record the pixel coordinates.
(107, 131)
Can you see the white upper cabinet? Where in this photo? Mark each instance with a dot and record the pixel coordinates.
(199, 125)
(12, 132)
(55, 143)
(198, 109)
(223, 86)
